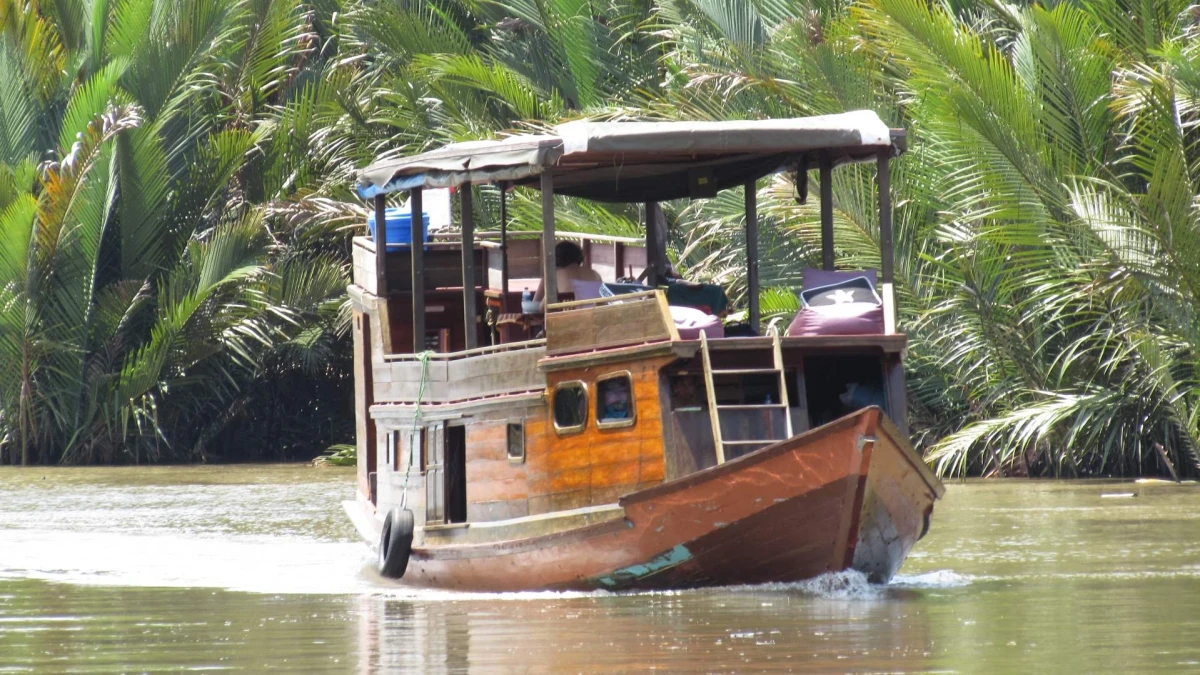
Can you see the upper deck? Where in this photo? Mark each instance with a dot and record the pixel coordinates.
(584, 399)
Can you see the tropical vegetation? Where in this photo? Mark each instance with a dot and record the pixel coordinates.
(174, 201)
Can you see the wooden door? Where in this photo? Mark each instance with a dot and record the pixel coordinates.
(456, 474)
(435, 474)
(364, 398)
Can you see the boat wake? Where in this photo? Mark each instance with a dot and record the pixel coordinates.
(844, 585)
(938, 579)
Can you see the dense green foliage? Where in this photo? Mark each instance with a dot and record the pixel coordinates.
(172, 177)
(161, 294)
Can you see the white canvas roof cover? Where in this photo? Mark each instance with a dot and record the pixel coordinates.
(643, 161)
(798, 134)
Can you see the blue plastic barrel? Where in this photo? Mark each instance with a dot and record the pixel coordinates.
(399, 227)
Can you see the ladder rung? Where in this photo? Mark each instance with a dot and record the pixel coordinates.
(746, 371)
(751, 406)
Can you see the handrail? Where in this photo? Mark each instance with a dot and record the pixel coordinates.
(478, 351)
(533, 234)
(640, 295)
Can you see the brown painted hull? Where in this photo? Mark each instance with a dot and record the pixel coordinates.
(851, 493)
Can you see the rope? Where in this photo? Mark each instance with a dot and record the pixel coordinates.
(414, 431)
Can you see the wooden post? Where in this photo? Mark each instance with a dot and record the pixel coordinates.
(654, 246)
(418, 271)
(886, 244)
(468, 267)
(752, 251)
(381, 279)
(549, 268)
(503, 247)
(826, 213)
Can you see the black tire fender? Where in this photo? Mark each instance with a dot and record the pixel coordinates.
(395, 543)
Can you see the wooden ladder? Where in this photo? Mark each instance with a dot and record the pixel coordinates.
(714, 410)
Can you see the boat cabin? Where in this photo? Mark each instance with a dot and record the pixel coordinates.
(486, 415)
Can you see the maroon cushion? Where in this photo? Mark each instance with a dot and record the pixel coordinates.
(852, 318)
(845, 318)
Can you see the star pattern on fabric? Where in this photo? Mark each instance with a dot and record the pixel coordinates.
(842, 296)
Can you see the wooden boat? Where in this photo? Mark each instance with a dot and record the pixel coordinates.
(612, 453)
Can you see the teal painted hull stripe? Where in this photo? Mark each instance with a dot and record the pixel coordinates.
(671, 558)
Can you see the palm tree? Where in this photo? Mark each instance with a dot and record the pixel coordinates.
(141, 289)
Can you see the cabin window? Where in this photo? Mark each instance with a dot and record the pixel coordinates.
(614, 401)
(516, 442)
(570, 407)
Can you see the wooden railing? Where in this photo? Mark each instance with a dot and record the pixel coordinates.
(478, 351)
(603, 323)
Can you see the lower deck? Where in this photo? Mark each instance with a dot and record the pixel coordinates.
(564, 433)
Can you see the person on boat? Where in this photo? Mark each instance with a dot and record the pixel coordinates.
(615, 393)
(568, 259)
(687, 393)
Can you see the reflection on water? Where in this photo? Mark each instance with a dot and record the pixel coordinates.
(251, 568)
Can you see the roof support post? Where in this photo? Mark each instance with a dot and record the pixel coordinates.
(655, 244)
(381, 280)
(418, 270)
(471, 331)
(503, 247)
(886, 244)
(826, 212)
(549, 268)
(752, 250)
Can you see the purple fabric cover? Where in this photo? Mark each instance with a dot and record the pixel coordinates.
(854, 318)
(690, 322)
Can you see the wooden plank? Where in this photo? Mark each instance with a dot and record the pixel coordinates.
(752, 252)
(826, 212)
(549, 268)
(593, 302)
(800, 422)
(470, 311)
(503, 247)
(418, 272)
(364, 398)
(710, 391)
(783, 393)
(381, 279)
(611, 325)
(654, 246)
(897, 393)
(363, 257)
(886, 243)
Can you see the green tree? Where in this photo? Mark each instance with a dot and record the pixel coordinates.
(143, 285)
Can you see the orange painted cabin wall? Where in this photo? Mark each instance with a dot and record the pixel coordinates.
(596, 466)
(592, 467)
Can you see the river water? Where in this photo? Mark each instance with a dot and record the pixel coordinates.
(254, 568)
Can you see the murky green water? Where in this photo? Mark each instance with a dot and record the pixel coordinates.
(251, 569)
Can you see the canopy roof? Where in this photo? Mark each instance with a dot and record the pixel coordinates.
(643, 161)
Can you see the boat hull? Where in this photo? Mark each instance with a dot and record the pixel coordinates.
(849, 494)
